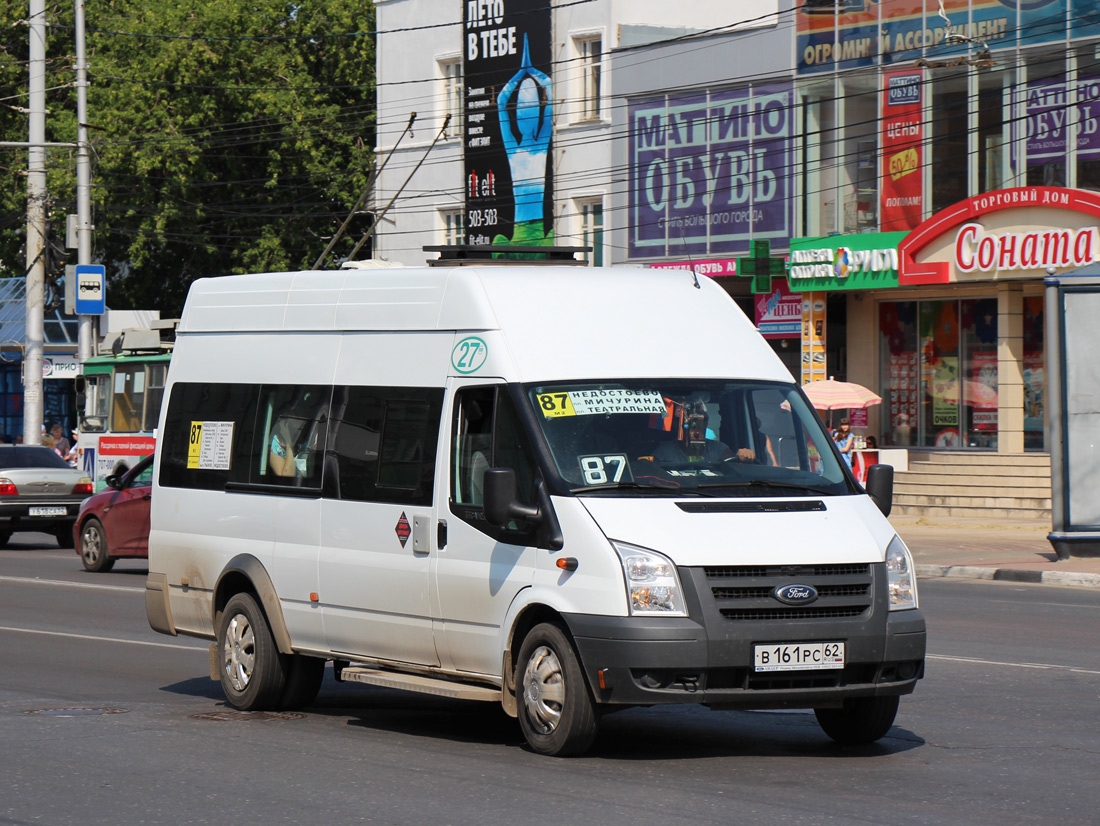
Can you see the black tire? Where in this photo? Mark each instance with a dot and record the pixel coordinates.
(64, 536)
(253, 672)
(93, 548)
(556, 711)
(303, 681)
(861, 721)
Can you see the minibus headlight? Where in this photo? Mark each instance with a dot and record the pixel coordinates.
(900, 577)
(652, 584)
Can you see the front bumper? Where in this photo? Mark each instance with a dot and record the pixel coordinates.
(707, 657)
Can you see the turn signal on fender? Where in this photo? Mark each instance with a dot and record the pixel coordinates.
(567, 563)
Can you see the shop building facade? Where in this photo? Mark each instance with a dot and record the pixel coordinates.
(842, 133)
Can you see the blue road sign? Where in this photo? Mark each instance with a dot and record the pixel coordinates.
(91, 289)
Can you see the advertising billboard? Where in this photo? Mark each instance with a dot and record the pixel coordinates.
(508, 127)
(710, 170)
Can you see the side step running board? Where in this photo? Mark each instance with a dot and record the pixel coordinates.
(421, 685)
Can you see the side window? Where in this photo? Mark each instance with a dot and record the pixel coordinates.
(128, 398)
(97, 404)
(383, 443)
(154, 396)
(486, 432)
(208, 435)
(293, 426)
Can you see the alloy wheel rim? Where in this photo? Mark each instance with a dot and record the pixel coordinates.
(90, 545)
(239, 657)
(544, 689)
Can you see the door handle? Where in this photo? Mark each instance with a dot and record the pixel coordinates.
(441, 534)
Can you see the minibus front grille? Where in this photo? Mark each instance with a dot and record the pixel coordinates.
(779, 506)
(749, 593)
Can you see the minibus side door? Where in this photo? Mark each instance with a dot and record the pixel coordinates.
(480, 568)
(376, 518)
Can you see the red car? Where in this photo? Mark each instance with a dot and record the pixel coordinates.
(114, 523)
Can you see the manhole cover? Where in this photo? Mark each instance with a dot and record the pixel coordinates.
(246, 716)
(75, 712)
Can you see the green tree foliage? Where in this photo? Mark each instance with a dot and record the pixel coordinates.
(228, 136)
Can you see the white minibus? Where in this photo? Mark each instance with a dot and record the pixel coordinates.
(565, 490)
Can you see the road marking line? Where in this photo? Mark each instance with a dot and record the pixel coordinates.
(28, 580)
(102, 639)
(1040, 666)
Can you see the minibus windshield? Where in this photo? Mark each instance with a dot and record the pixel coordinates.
(715, 437)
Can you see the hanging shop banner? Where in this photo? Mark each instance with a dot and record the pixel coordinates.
(863, 261)
(779, 315)
(902, 173)
(1054, 110)
(813, 337)
(508, 124)
(709, 171)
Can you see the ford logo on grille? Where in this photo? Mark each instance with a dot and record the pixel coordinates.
(795, 594)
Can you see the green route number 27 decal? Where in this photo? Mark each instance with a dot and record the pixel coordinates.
(469, 354)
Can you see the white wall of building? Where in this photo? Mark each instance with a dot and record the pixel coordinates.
(416, 39)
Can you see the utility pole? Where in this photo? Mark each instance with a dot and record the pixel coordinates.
(36, 227)
(86, 333)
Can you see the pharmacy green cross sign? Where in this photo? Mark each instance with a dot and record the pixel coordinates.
(761, 267)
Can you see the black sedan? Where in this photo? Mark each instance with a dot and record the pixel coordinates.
(39, 492)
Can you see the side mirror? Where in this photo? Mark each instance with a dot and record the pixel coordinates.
(499, 491)
(111, 481)
(880, 487)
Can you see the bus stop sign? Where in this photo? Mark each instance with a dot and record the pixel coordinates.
(91, 298)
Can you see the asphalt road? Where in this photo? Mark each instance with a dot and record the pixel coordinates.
(98, 725)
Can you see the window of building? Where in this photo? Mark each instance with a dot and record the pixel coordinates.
(450, 70)
(454, 226)
(948, 138)
(1088, 93)
(859, 151)
(938, 362)
(995, 129)
(819, 148)
(591, 215)
(1044, 106)
(590, 51)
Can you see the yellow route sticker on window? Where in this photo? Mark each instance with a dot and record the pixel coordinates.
(210, 446)
(606, 402)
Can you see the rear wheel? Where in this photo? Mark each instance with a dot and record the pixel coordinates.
(253, 673)
(93, 547)
(860, 721)
(556, 712)
(64, 535)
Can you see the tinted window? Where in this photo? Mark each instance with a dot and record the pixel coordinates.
(383, 443)
(293, 423)
(30, 456)
(227, 412)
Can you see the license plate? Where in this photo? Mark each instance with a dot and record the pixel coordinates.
(49, 510)
(799, 656)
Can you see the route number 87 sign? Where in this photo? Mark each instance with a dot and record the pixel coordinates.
(605, 469)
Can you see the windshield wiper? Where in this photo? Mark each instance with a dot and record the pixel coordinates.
(636, 486)
(765, 483)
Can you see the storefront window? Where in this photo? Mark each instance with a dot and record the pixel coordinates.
(995, 167)
(948, 138)
(1034, 375)
(859, 175)
(1088, 118)
(939, 373)
(819, 158)
(1044, 121)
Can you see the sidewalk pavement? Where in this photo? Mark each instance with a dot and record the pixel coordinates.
(977, 549)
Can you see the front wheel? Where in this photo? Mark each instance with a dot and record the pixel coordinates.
(93, 547)
(860, 721)
(253, 673)
(556, 711)
(64, 536)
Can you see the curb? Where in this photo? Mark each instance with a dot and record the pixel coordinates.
(1079, 580)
